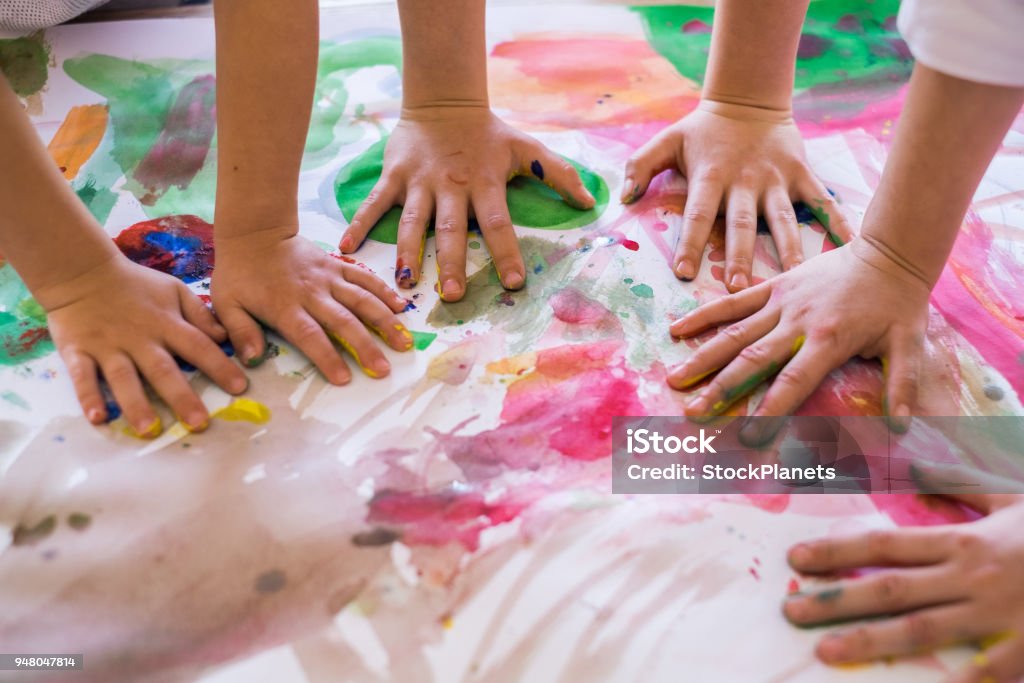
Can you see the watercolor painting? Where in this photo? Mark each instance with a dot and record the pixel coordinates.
(454, 521)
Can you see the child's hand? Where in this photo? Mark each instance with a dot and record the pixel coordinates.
(802, 324)
(124, 320)
(745, 161)
(944, 585)
(451, 163)
(310, 297)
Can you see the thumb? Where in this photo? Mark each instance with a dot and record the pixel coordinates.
(901, 369)
(659, 154)
(245, 333)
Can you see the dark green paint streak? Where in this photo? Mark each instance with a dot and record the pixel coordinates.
(25, 64)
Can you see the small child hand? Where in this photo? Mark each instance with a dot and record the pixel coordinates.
(451, 163)
(123, 320)
(941, 586)
(310, 297)
(802, 324)
(743, 160)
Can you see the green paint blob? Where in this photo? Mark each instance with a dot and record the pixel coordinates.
(79, 521)
(531, 203)
(23, 332)
(31, 535)
(422, 340)
(15, 400)
(642, 291)
(25, 64)
(842, 41)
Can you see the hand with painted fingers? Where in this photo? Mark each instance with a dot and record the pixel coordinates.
(860, 299)
(449, 164)
(938, 586)
(742, 161)
(310, 298)
(126, 323)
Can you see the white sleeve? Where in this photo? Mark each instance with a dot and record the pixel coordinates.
(977, 40)
(21, 16)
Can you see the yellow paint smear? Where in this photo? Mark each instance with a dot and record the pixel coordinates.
(244, 410)
(514, 365)
(78, 137)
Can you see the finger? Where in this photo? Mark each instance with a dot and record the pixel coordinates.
(755, 364)
(450, 235)
(963, 483)
(197, 349)
(412, 235)
(303, 332)
(375, 314)
(702, 201)
(1001, 663)
(881, 593)
(491, 207)
(901, 370)
(915, 633)
(557, 173)
(722, 310)
(365, 279)
(730, 342)
(82, 371)
(197, 313)
(245, 333)
(347, 331)
(122, 377)
(825, 208)
(381, 199)
(658, 155)
(909, 546)
(166, 378)
(778, 211)
(798, 378)
(740, 237)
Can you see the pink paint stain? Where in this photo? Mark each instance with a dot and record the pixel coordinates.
(571, 306)
(184, 143)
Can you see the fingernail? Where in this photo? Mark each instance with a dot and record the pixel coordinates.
(902, 411)
(251, 358)
(381, 366)
(794, 263)
(238, 385)
(628, 191)
(832, 648)
(738, 281)
(698, 405)
(346, 244)
(685, 270)
(514, 280)
(591, 200)
(450, 290)
(799, 555)
(197, 422)
(678, 328)
(406, 278)
(407, 338)
(149, 430)
(94, 416)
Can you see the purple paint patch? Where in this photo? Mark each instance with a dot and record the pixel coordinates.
(696, 26)
(812, 46)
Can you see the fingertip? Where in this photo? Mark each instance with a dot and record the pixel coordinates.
(451, 291)
(513, 280)
(96, 416)
(738, 282)
(685, 270)
(800, 556)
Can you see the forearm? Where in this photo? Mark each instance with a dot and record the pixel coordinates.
(45, 231)
(444, 54)
(753, 52)
(266, 75)
(946, 137)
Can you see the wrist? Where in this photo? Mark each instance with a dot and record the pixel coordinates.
(880, 254)
(445, 108)
(745, 111)
(56, 292)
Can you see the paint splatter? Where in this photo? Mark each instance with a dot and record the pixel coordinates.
(643, 291)
(23, 332)
(537, 169)
(243, 410)
(421, 341)
(79, 521)
(271, 581)
(25, 64)
(24, 535)
(181, 246)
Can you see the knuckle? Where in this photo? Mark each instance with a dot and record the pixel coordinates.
(736, 333)
(411, 219)
(792, 376)
(698, 215)
(785, 216)
(756, 354)
(828, 332)
(710, 174)
(880, 543)
(496, 222)
(119, 372)
(307, 330)
(921, 630)
(744, 221)
(448, 227)
(161, 371)
(891, 589)
(741, 262)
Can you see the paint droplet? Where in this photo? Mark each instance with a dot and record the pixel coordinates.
(474, 244)
(993, 393)
(31, 535)
(631, 245)
(244, 410)
(696, 26)
(271, 581)
(537, 169)
(422, 340)
(79, 521)
(793, 588)
(376, 537)
(642, 291)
